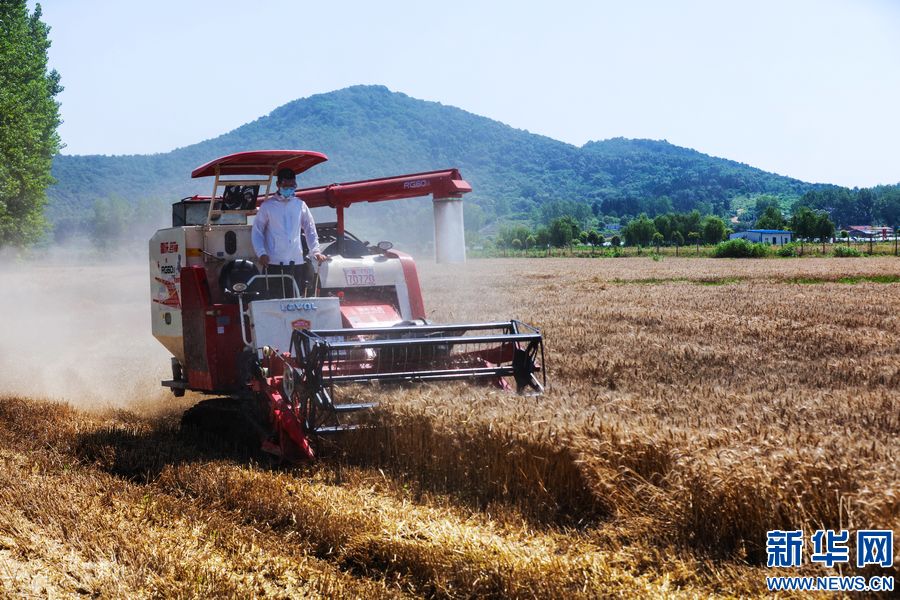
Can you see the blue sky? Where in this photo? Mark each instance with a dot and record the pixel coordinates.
(804, 88)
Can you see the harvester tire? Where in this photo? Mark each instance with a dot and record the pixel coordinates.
(177, 375)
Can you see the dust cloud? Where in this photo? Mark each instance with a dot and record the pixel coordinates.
(75, 323)
(76, 328)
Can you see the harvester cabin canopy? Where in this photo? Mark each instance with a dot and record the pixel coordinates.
(234, 176)
(241, 195)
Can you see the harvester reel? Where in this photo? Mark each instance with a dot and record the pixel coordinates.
(312, 378)
(288, 383)
(303, 399)
(524, 368)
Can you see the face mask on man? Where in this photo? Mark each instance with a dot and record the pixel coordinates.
(287, 192)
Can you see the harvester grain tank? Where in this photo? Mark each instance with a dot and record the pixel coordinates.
(281, 353)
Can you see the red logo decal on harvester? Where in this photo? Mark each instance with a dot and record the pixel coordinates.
(301, 324)
(167, 294)
(168, 247)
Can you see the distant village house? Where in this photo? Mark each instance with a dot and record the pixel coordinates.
(868, 232)
(764, 236)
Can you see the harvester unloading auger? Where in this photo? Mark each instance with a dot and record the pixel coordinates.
(282, 354)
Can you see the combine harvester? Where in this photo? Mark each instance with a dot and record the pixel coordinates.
(278, 354)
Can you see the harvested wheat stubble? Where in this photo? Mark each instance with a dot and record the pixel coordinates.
(387, 543)
(69, 529)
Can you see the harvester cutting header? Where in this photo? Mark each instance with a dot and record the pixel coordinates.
(279, 345)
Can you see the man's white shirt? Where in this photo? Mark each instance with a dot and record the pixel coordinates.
(277, 227)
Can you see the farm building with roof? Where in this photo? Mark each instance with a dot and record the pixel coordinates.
(868, 231)
(764, 236)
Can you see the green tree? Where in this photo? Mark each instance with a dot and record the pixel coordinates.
(840, 203)
(713, 230)
(615, 241)
(663, 225)
(865, 205)
(693, 235)
(507, 234)
(804, 223)
(678, 239)
(685, 222)
(29, 117)
(887, 207)
(824, 229)
(771, 218)
(639, 231)
(592, 238)
(563, 230)
(657, 240)
(764, 203)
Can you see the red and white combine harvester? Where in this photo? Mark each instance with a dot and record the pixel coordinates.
(277, 353)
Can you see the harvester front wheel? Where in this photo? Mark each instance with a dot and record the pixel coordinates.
(177, 375)
(226, 419)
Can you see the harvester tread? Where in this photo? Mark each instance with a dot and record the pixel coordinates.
(224, 418)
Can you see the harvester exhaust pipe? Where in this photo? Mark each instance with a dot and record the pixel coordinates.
(449, 231)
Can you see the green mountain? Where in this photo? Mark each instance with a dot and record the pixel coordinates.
(369, 131)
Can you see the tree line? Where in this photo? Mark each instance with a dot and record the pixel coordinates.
(565, 230)
(818, 214)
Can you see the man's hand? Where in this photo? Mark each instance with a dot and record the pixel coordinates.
(320, 258)
(264, 260)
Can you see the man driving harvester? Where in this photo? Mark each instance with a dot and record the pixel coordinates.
(277, 229)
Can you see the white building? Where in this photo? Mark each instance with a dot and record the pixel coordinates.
(764, 236)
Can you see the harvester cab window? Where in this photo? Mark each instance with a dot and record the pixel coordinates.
(239, 197)
(235, 198)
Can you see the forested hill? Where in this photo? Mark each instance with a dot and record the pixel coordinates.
(630, 176)
(369, 131)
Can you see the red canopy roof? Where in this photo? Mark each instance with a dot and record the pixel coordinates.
(260, 162)
(440, 184)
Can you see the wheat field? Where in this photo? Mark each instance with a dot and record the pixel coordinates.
(693, 405)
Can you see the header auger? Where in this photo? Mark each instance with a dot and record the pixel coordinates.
(281, 353)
